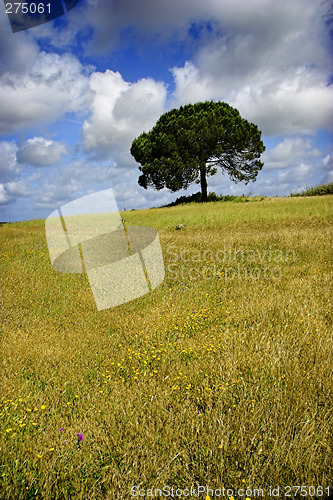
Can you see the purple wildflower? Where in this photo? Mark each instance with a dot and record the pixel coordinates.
(60, 430)
(79, 437)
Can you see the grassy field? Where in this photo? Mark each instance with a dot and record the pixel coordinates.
(221, 377)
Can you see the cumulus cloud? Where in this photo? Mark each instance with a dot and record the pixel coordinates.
(275, 105)
(20, 54)
(8, 164)
(18, 188)
(12, 190)
(288, 110)
(70, 181)
(13, 185)
(295, 175)
(290, 152)
(159, 20)
(19, 51)
(327, 162)
(119, 112)
(53, 86)
(328, 178)
(40, 152)
(4, 195)
(271, 61)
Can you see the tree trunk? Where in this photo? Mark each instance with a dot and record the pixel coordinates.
(203, 182)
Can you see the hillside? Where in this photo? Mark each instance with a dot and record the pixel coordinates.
(220, 377)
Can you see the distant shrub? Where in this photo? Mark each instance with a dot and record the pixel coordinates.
(320, 190)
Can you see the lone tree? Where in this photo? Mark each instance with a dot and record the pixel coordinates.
(187, 144)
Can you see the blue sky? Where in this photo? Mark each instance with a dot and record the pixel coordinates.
(75, 92)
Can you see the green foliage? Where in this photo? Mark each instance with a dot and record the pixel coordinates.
(320, 190)
(188, 144)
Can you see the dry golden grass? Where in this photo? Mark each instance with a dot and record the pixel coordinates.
(220, 377)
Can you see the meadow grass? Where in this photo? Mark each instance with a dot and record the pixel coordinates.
(220, 377)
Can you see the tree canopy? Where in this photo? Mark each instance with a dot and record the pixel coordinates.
(188, 144)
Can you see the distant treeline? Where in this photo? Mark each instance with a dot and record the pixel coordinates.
(196, 197)
(320, 190)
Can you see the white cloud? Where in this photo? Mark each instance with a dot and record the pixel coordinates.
(52, 86)
(119, 112)
(4, 196)
(70, 181)
(327, 160)
(270, 60)
(40, 152)
(289, 111)
(328, 178)
(12, 190)
(327, 163)
(290, 152)
(8, 164)
(295, 175)
(18, 188)
(19, 50)
(159, 20)
(276, 105)
(14, 185)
